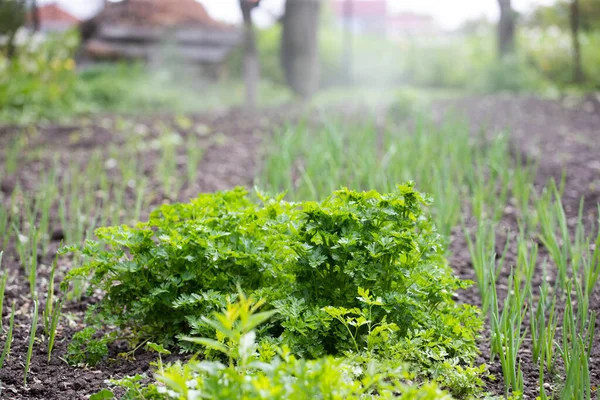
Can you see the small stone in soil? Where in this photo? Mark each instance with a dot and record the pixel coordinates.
(57, 235)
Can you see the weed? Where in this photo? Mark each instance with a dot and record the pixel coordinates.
(157, 348)
(376, 332)
(85, 350)
(235, 329)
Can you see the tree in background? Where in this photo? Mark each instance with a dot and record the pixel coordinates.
(579, 16)
(577, 68)
(251, 64)
(35, 16)
(559, 13)
(348, 40)
(506, 28)
(299, 45)
(12, 17)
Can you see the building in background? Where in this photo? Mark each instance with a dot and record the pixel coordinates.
(365, 16)
(410, 24)
(374, 17)
(146, 29)
(53, 18)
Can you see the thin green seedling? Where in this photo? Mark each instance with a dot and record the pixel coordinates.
(127, 165)
(117, 205)
(103, 190)
(483, 258)
(13, 153)
(62, 215)
(522, 179)
(550, 334)
(140, 195)
(32, 332)
(72, 214)
(495, 340)
(526, 261)
(489, 193)
(4, 227)
(537, 322)
(194, 155)
(543, 329)
(590, 333)
(167, 167)
(506, 335)
(34, 261)
(9, 337)
(447, 210)
(569, 349)
(29, 211)
(583, 303)
(3, 281)
(56, 313)
(21, 246)
(310, 161)
(511, 341)
(46, 199)
(580, 323)
(12, 218)
(48, 312)
(577, 383)
(499, 166)
(591, 265)
(541, 364)
(552, 218)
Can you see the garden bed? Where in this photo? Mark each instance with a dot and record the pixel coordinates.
(231, 149)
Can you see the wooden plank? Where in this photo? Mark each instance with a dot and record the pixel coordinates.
(181, 35)
(199, 36)
(193, 53)
(122, 32)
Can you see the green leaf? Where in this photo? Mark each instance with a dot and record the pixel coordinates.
(158, 348)
(258, 319)
(210, 343)
(104, 394)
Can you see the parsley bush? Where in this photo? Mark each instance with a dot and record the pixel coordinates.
(306, 259)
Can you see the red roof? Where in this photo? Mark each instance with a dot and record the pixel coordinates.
(363, 8)
(158, 13)
(53, 13)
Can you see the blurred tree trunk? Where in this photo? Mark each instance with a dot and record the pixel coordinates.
(300, 47)
(10, 45)
(12, 17)
(348, 40)
(35, 16)
(506, 28)
(251, 65)
(577, 68)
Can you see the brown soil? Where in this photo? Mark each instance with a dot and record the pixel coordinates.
(561, 136)
(558, 135)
